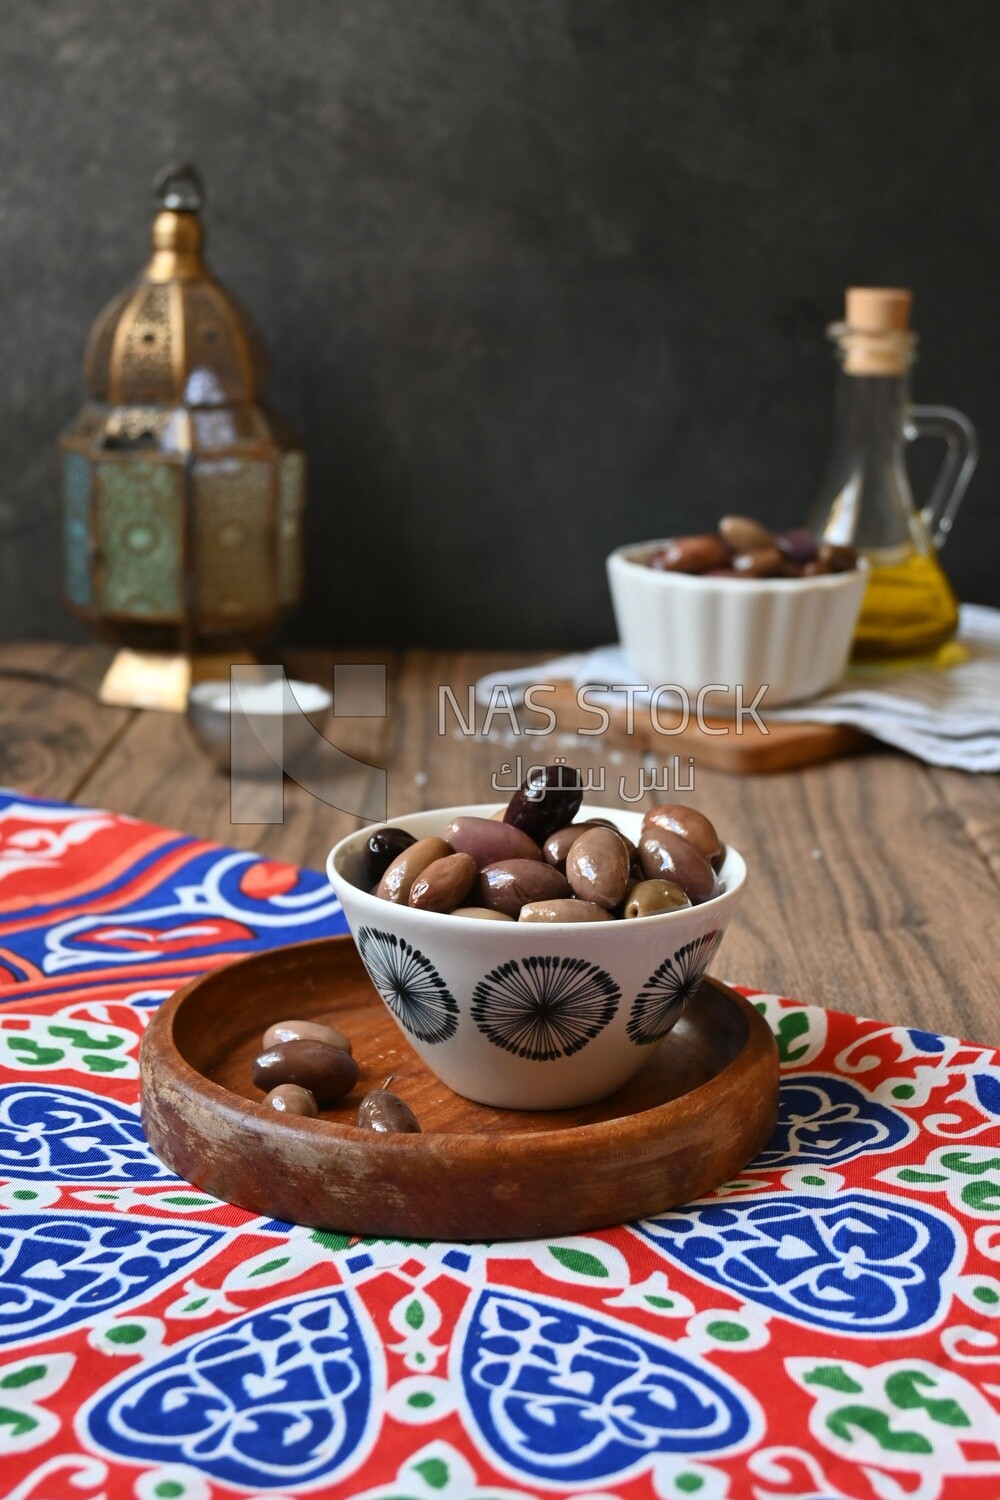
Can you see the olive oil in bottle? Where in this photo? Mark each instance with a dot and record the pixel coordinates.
(866, 501)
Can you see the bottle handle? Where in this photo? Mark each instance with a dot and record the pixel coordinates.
(959, 463)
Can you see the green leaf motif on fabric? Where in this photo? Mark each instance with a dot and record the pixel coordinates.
(420, 1400)
(18, 1421)
(271, 1265)
(434, 1471)
(19, 1378)
(659, 1301)
(414, 1314)
(876, 1425)
(910, 1174)
(793, 1025)
(579, 1261)
(80, 1038)
(727, 1333)
(902, 1391)
(127, 1333)
(835, 1377)
(689, 1484)
(104, 1064)
(33, 1054)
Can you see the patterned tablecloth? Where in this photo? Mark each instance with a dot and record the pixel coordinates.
(824, 1326)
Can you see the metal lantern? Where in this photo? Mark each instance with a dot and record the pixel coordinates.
(182, 497)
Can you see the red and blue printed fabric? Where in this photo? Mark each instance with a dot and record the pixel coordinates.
(824, 1327)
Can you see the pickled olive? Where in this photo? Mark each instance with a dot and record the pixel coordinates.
(483, 913)
(558, 844)
(508, 886)
(650, 898)
(398, 879)
(597, 867)
(444, 884)
(292, 1099)
(382, 848)
(327, 1072)
(691, 825)
(840, 559)
(761, 562)
(387, 1113)
(566, 910)
(305, 1031)
(743, 534)
(692, 554)
(800, 546)
(549, 798)
(488, 841)
(667, 856)
(816, 569)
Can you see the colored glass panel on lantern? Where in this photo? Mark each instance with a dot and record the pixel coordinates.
(76, 527)
(140, 537)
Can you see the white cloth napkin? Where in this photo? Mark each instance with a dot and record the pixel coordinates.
(944, 716)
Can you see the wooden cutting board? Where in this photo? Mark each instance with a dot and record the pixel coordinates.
(721, 745)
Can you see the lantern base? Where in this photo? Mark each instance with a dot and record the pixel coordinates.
(161, 680)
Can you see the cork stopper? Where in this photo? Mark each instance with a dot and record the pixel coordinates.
(878, 309)
(875, 335)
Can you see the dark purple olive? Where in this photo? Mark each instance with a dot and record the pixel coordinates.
(799, 546)
(327, 1072)
(382, 848)
(548, 799)
(387, 1113)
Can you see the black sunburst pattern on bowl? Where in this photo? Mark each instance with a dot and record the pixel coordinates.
(410, 985)
(543, 1008)
(666, 992)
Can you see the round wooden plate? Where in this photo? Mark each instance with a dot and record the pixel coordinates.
(705, 1103)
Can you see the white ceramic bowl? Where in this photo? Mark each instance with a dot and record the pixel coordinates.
(531, 1015)
(791, 636)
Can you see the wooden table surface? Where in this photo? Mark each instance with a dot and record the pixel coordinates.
(874, 881)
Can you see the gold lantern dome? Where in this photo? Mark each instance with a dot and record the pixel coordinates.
(182, 495)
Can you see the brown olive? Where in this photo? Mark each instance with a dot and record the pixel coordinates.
(691, 554)
(444, 884)
(388, 1114)
(548, 799)
(743, 534)
(303, 1031)
(482, 913)
(488, 841)
(327, 1072)
(691, 825)
(292, 1099)
(650, 898)
(597, 867)
(506, 887)
(840, 559)
(398, 879)
(759, 562)
(383, 846)
(667, 856)
(565, 910)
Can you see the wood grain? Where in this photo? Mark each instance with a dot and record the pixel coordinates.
(874, 884)
(53, 733)
(703, 1105)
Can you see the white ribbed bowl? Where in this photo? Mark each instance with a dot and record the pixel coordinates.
(791, 636)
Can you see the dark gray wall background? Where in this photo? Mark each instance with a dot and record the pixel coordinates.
(537, 276)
